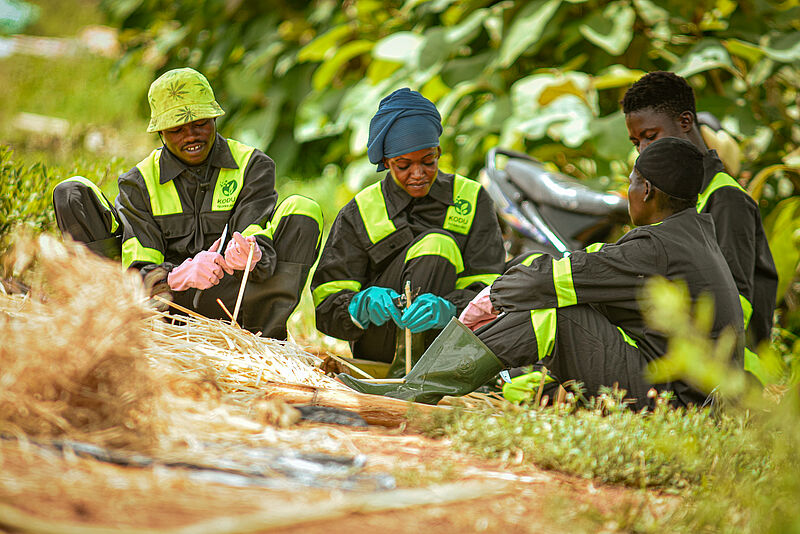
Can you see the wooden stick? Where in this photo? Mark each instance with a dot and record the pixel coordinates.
(244, 281)
(375, 409)
(408, 332)
(351, 366)
(225, 309)
(187, 311)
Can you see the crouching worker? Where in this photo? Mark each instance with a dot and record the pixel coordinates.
(580, 314)
(177, 206)
(418, 224)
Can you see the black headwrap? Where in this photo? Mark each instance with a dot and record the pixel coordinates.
(405, 122)
(673, 165)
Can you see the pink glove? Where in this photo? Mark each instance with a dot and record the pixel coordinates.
(479, 311)
(200, 272)
(237, 250)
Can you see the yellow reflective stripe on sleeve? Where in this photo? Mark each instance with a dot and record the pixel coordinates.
(721, 179)
(330, 288)
(466, 281)
(747, 310)
(544, 328)
(628, 339)
(230, 181)
(527, 261)
(133, 251)
(99, 194)
(164, 199)
(292, 205)
(255, 229)
(465, 200)
(562, 281)
(435, 244)
(373, 213)
(296, 205)
(594, 247)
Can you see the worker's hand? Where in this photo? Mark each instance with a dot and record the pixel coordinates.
(375, 305)
(201, 272)
(428, 311)
(479, 311)
(237, 250)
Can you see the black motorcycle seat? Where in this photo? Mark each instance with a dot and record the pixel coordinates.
(562, 191)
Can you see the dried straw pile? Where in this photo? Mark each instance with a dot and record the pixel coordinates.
(70, 360)
(86, 358)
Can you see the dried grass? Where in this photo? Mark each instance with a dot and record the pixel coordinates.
(70, 361)
(84, 357)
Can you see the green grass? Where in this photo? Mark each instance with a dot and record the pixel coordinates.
(60, 18)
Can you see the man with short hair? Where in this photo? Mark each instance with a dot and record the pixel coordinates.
(662, 104)
(176, 207)
(581, 315)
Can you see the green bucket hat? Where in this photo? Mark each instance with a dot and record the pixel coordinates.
(179, 96)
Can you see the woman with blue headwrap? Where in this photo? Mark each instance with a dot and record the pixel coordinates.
(418, 224)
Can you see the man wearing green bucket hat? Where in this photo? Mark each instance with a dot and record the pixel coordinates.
(189, 213)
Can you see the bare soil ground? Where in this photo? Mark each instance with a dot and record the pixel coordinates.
(41, 491)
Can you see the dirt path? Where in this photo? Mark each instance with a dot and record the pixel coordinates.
(50, 492)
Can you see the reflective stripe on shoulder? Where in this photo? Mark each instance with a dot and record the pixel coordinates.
(594, 247)
(164, 199)
(327, 289)
(133, 251)
(465, 200)
(721, 179)
(99, 194)
(230, 181)
(372, 208)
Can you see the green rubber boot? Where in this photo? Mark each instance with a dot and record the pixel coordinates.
(456, 363)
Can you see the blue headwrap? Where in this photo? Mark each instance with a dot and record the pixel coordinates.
(406, 121)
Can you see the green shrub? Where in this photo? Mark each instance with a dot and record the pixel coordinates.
(25, 197)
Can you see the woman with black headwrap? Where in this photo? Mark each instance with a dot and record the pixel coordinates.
(418, 224)
(581, 315)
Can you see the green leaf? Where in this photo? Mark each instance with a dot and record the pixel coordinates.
(529, 25)
(613, 29)
(609, 136)
(324, 44)
(400, 47)
(782, 227)
(328, 69)
(650, 13)
(743, 49)
(616, 76)
(784, 47)
(708, 54)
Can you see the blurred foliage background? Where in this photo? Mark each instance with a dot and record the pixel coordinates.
(301, 79)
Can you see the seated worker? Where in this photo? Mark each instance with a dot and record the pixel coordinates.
(662, 104)
(434, 229)
(581, 314)
(174, 206)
